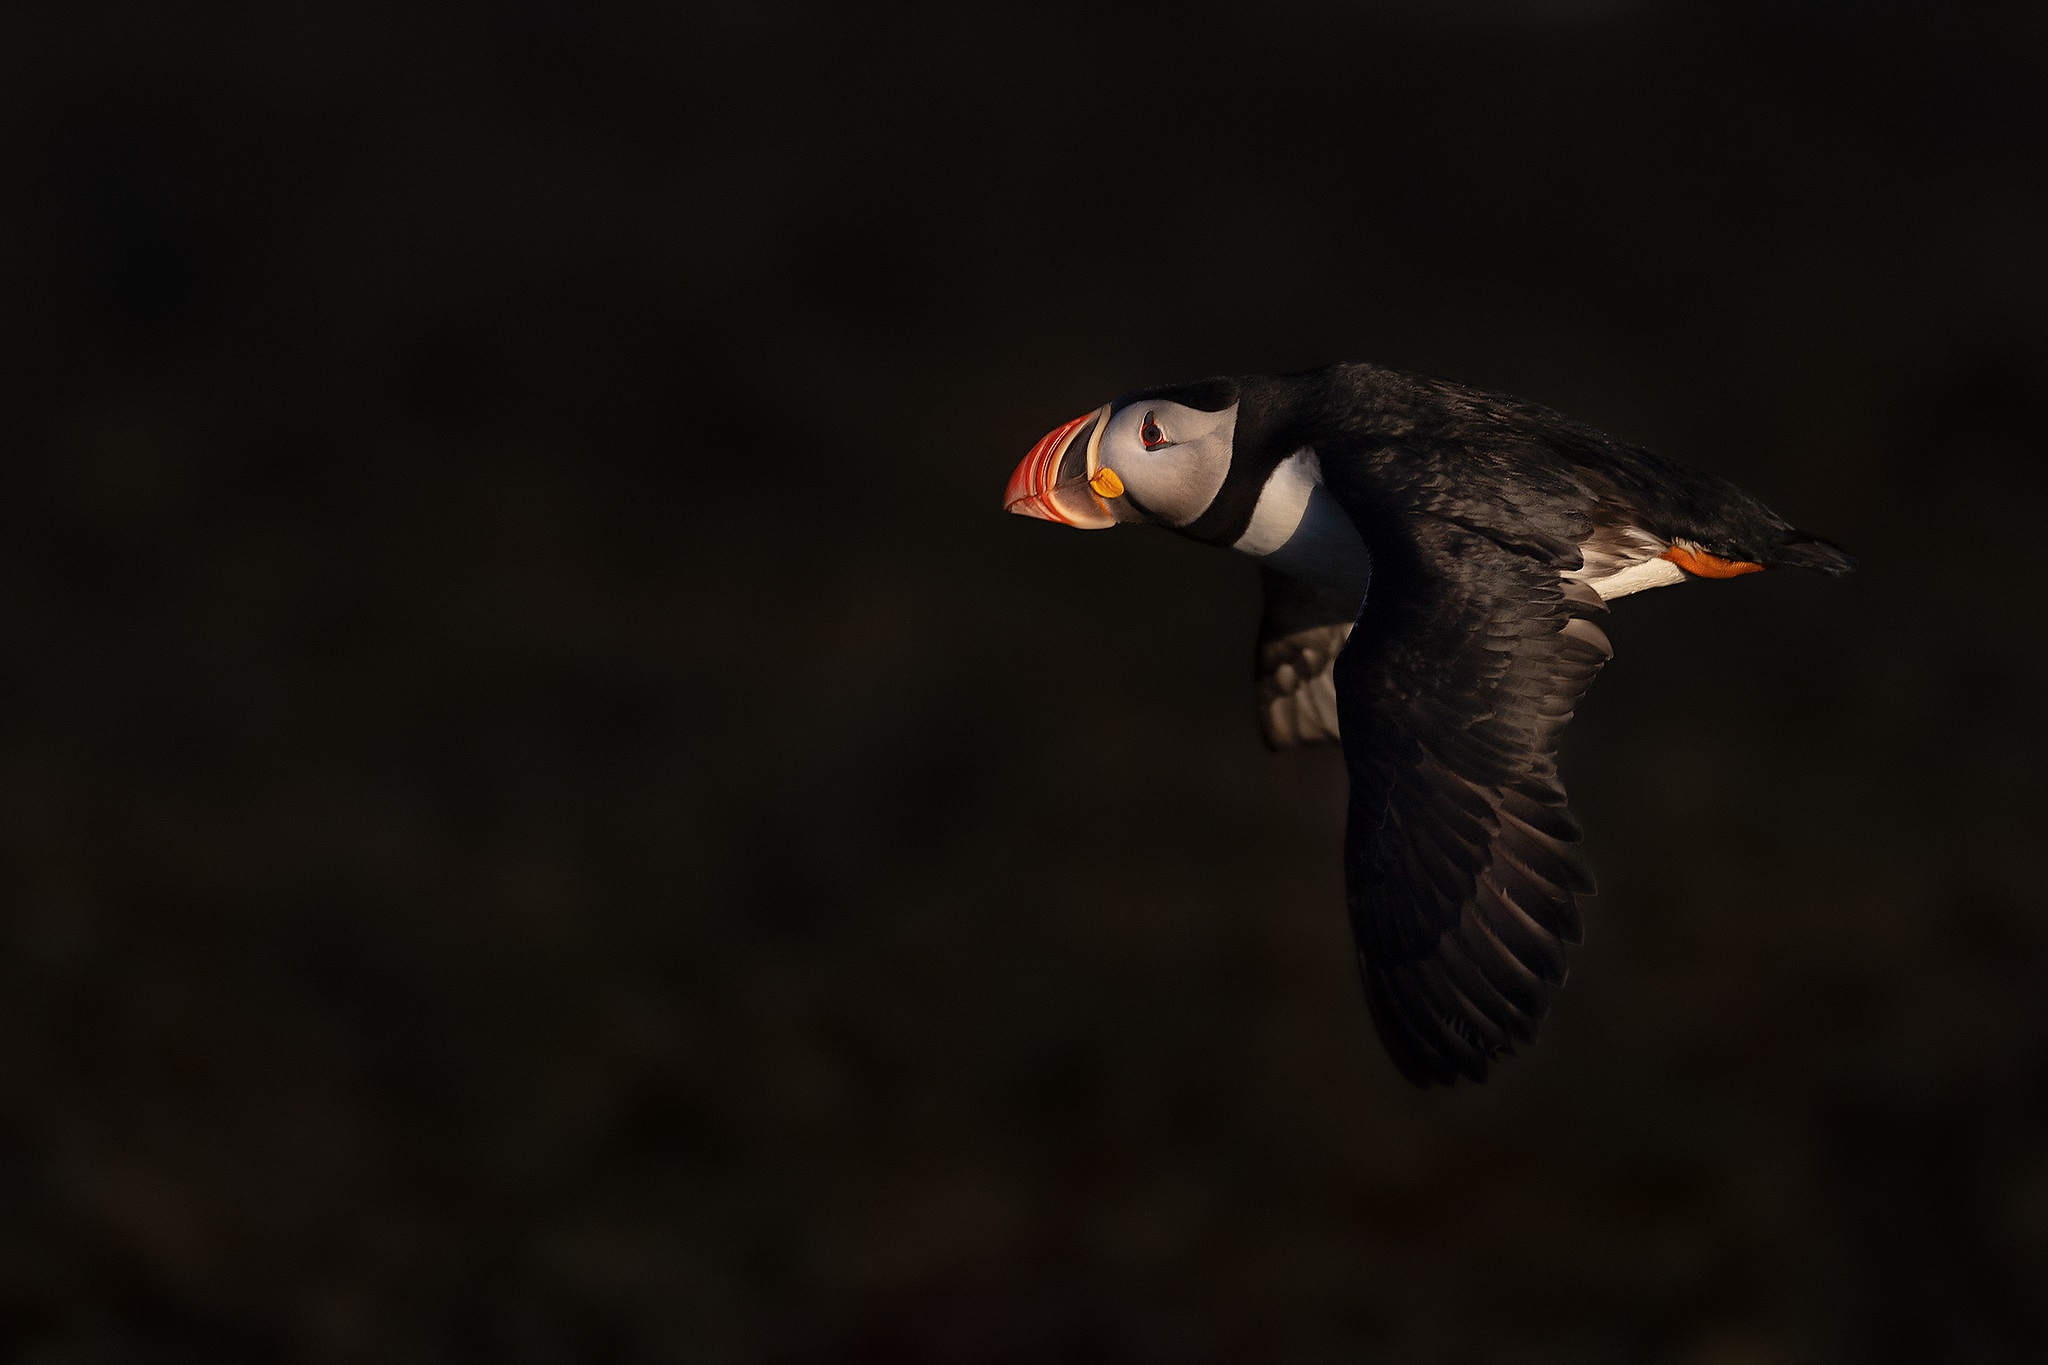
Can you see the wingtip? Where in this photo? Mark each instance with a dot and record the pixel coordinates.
(1804, 550)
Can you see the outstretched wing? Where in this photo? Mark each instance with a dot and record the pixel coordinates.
(1301, 631)
(1461, 860)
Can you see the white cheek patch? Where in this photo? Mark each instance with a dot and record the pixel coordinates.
(1297, 527)
(1174, 483)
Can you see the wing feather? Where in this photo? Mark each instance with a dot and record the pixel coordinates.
(1302, 631)
(1462, 861)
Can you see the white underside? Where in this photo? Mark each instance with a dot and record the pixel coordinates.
(1650, 573)
(1281, 504)
(1619, 560)
(1298, 528)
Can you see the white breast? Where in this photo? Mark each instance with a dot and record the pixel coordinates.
(1299, 529)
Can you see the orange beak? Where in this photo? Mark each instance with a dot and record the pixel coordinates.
(1053, 481)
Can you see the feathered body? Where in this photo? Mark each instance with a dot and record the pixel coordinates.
(1433, 559)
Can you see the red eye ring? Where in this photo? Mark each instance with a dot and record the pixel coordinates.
(1150, 434)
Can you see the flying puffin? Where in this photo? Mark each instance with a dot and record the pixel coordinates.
(1433, 557)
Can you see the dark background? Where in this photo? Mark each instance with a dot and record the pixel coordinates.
(546, 816)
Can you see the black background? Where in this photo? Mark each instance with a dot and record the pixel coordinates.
(546, 816)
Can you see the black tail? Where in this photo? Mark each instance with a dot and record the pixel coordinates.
(1804, 550)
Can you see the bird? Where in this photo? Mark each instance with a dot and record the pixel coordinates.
(1434, 558)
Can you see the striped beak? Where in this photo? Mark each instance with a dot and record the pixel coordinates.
(1061, 479)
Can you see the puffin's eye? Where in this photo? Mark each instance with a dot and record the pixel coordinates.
(1150, 434)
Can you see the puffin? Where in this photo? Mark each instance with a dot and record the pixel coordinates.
(1434, 559)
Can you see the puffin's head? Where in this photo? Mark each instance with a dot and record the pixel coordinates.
(1157, 456)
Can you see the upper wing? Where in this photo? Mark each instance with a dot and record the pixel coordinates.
(1303, 627)
(1461, 865)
